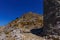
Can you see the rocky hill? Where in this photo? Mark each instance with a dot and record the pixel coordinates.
(1, 28)
(28, 21)
(19, 29)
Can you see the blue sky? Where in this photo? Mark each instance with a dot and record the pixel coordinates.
(10, 9)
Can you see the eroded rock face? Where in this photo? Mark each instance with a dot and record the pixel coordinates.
(52, 17)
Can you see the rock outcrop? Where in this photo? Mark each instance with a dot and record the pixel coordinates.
(28, 21)
(20, 28)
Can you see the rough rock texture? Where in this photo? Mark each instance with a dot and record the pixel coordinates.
(28, 21)
(20, 28)
(16, 34)
(2, 29)
(52, 18)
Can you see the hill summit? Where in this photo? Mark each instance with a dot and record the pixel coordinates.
(27, 21)
(20, 28)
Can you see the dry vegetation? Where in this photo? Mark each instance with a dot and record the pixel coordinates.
(16, 28)
(28, 21)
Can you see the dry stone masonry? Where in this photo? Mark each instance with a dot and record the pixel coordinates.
(52, 19)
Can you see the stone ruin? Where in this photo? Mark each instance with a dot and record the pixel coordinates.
(51, 18)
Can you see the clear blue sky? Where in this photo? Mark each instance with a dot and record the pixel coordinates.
(10, 9)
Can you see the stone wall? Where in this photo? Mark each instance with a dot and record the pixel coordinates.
(51, 17)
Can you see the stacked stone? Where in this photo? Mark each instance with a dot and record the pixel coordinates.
(51, 18)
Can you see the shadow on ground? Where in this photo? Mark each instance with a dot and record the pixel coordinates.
(37, 32)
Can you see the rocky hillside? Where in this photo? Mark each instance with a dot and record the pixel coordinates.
(1, 28)
(19, 29)
(16, 34)
(28, 21)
